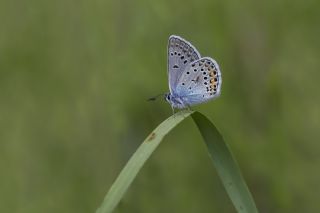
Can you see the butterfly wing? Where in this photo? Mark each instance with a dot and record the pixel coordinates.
(180, 54)
(200, 82)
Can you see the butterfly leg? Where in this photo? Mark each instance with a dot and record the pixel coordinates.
(189, 108)
(172, 110)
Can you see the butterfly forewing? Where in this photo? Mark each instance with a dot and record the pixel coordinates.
(180, 54)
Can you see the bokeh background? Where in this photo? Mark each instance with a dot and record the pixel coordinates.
(75, 76)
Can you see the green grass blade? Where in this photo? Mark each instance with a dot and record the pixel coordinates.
(221, 156)
(138, 159)
(226, 166)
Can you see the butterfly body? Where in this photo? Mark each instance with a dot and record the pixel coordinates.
(176, 101)
(192, 79)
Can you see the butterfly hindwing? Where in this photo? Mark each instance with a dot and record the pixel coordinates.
(200, 81)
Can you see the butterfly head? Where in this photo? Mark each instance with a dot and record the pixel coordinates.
(167, 97)
(174, 101)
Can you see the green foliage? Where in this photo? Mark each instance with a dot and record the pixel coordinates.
(138, 159)
(217, 148)
(225, 164)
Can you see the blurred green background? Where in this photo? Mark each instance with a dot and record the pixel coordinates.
(75, 76)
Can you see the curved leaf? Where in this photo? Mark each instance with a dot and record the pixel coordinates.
(131, 169)
(221, 157)
(226, 165)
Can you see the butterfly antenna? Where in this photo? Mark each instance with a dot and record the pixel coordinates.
(155, 97)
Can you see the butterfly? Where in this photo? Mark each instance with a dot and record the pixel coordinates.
(192, 79)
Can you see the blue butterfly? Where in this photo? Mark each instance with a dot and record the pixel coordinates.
(192, 79)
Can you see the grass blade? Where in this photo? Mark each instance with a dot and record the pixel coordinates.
(222, 159)
(226, 166)
(138, 159)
